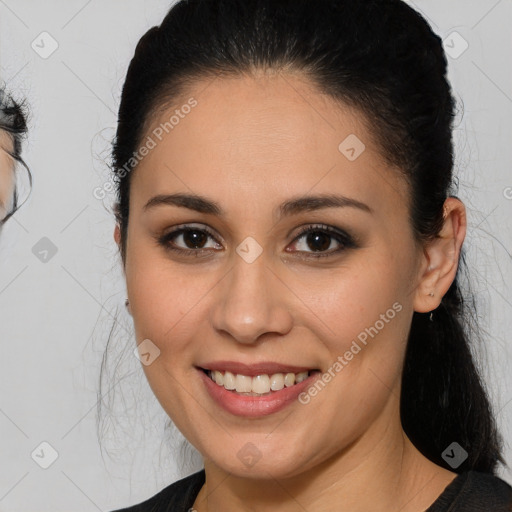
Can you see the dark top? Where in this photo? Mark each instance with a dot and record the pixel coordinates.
(468, 492)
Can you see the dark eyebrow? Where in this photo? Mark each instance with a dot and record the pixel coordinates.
(290, 207)
(190, 201)
(312, 203)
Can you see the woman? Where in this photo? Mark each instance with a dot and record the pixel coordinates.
(310, 376)
(13, 127)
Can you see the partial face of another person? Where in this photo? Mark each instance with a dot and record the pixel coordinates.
(246, 292)
(6, 175)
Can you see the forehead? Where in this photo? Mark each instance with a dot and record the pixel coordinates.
(266, 134)
(261, 115)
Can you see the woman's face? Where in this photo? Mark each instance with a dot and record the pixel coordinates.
(6, 175)
(247, 294)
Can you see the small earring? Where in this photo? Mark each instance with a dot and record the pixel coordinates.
(431, 318)
(431, 294)
(126, 302)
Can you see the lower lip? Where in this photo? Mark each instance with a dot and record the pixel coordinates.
(255, 406)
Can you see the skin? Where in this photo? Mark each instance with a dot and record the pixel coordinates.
(6, 174)
(250, 144)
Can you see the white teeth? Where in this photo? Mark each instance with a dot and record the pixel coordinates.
(258, 385)
(218, 378)
(243, 384)
(277, 382)
(229, 381)
(261, 384)
(289, 379)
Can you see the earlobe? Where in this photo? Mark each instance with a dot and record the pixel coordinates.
(441, 258)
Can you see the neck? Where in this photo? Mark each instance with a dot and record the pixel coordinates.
(381, 471)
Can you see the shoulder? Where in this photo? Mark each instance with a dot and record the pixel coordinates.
(489, 489)
(475, 491)
(178, 496)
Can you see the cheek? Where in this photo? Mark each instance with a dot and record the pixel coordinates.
(164, 303)
(167, 302)
(362, 314)
(349, 300)
(160, 300)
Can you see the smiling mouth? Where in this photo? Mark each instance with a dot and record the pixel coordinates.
(259, 385)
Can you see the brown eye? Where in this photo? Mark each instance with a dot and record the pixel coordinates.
(193, 238)
(188, 240)
(319, 238)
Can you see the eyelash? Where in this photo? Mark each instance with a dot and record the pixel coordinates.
(345, 240)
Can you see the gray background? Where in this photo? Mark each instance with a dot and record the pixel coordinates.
(55, 315)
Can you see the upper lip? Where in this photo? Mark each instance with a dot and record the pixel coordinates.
(251, 370)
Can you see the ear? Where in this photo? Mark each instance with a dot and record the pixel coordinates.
(117, 238)
(7, 179)
(117, 235)
(441, 258)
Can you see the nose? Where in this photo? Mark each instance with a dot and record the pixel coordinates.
(252, 301)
